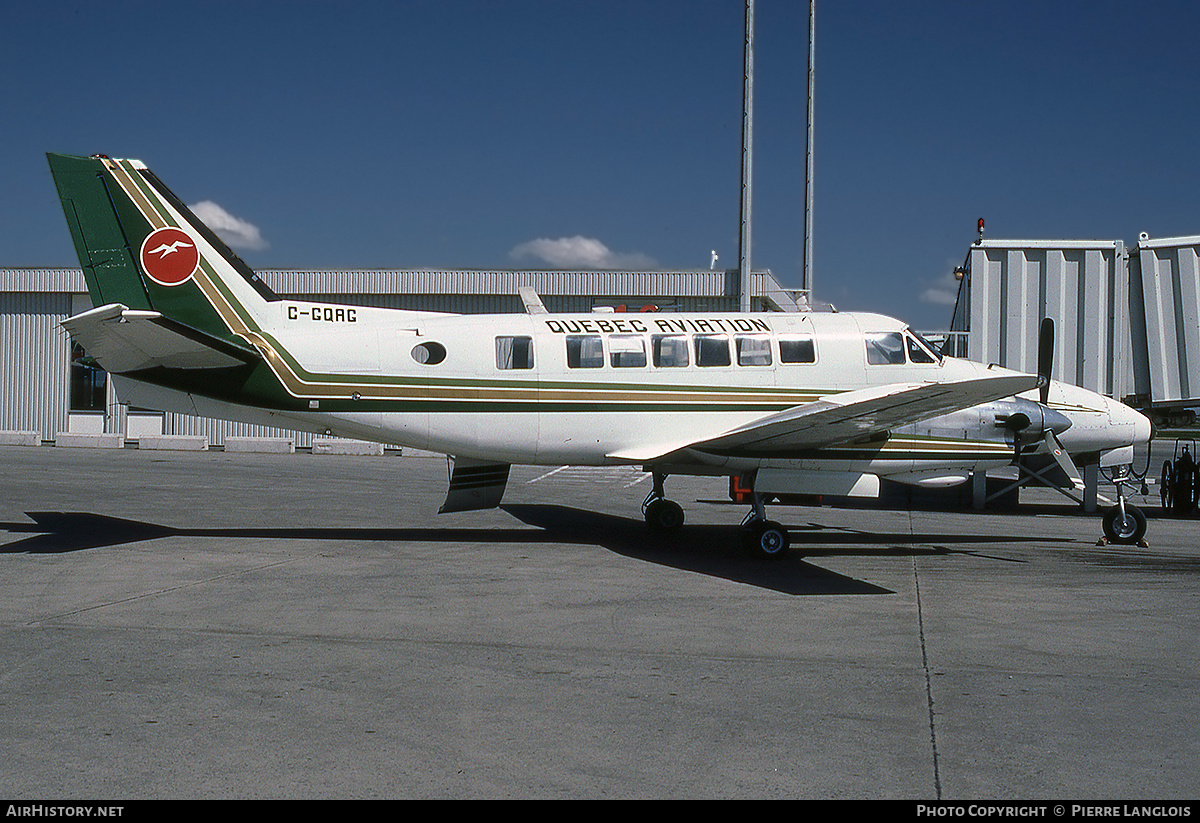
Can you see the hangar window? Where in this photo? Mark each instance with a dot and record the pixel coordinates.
(627, 351)
(885, 348)
(429, 354)
(712, 349)
(797, 348)
(89, 382)
(584, 351)
(753, 349)
(514, 353)
(670, 351)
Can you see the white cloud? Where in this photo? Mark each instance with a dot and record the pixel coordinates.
(940, 296)
(943, 291)
(235, 231)
(579, 252)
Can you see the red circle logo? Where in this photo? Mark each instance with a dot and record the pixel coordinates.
(169, 256)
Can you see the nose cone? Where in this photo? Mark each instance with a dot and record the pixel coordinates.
(1099, 423)
(1140, 424)
(1056, 422)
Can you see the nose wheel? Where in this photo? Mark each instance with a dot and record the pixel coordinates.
(1124, 524)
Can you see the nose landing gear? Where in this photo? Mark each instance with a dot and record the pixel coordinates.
(1124, 523)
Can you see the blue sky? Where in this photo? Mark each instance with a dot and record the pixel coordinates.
(531, 133)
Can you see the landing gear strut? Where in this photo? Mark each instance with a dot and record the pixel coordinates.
(764, 537)
(662, 515)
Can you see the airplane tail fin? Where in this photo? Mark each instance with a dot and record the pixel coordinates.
(141, 247)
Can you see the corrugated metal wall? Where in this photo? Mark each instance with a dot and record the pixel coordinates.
(35, 357)
(1082, 286)
(1165, 284)
(506, 283)
(217, 430)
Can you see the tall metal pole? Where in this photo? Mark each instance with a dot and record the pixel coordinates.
(806, 277)
(747, 165)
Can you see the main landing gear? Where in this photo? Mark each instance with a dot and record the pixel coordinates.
(662, 515)
(763, 537)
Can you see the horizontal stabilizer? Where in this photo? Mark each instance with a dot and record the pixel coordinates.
(125, 340)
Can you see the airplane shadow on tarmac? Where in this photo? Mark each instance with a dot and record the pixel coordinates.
(704, 549)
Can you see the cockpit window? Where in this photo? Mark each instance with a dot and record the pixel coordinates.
(918, 353)
(885, 348)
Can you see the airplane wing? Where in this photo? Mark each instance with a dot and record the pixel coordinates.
(126, 340)
(847, 417)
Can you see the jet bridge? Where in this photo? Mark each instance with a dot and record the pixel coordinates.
(1128, 320)
(1164, 312)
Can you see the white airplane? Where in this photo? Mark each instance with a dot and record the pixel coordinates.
(788, 403)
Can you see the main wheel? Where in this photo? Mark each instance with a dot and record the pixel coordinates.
(664, 515)
(1126, 530)
(767, 539)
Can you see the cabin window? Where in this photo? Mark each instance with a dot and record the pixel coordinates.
(429, 354)
(712, 349)
(514, 353)
(797, 348)
(885, 348)
(670, 350)
(918, 353)
(753, 349)
(627, 351)
(584, 352)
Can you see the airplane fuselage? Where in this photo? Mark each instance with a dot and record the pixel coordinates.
(612, 387)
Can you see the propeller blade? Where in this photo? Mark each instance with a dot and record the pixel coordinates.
(1055, 447)
(1045, 357)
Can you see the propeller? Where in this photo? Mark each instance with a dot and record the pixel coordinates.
(1045, 365)
(1045, 358)
(1033, 423)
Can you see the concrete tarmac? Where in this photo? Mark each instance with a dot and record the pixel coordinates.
(221, 625)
